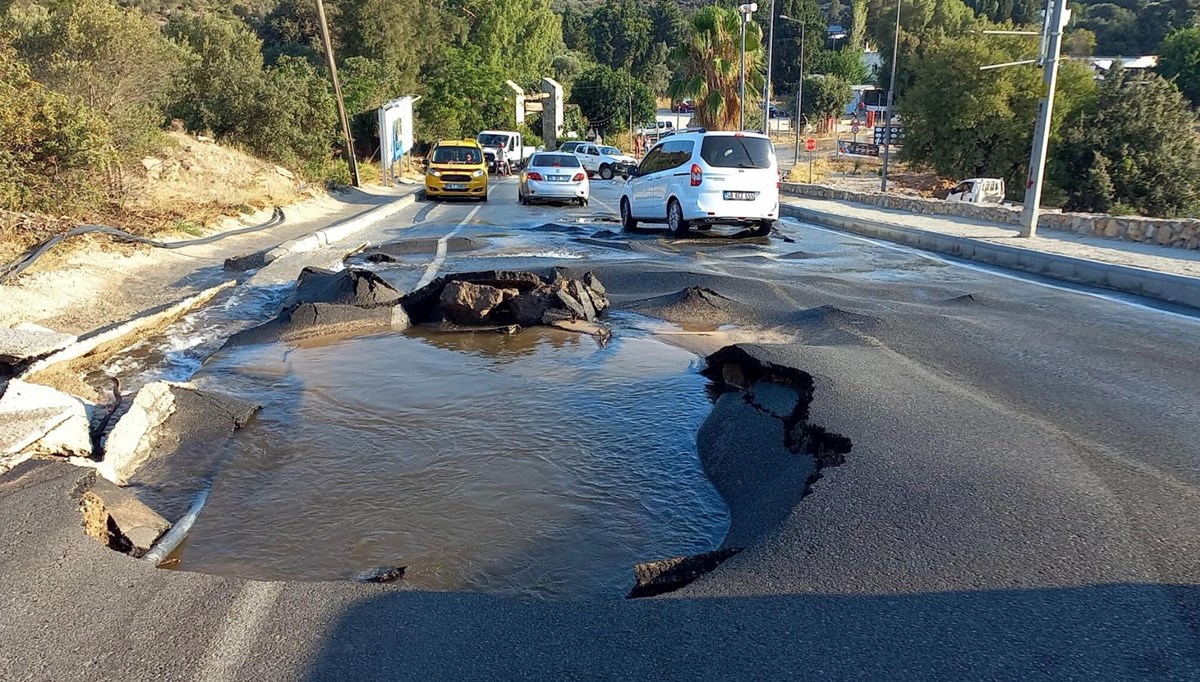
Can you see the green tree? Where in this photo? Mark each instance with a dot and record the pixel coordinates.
(605, 96)
(845, 64)
(520, 37)
(982, 126)
(1079, 42)
(825, 96)
(922, 23)
(1179, 60)
(785, 69)
(1136, 150)
(620, 34)
(293, 121)
(52, 148)
(400, 36)
(710, 64)
(464, 94)
(115, 61)
(575, 30)
(218, 89)
(858, 24)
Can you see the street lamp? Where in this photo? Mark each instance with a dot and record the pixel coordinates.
(746, 11)
(800, 86)
(887, 124)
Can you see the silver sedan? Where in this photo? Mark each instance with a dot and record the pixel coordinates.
(554, 176)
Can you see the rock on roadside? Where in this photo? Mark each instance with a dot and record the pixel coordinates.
(467, 303)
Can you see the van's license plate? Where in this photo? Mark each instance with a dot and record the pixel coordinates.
(741, 196)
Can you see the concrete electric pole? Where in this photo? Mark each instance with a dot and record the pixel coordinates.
(1056, 18)
(767, 89)
(887, 123)
(337, 93)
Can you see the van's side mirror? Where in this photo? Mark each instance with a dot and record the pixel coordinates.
(633, 172)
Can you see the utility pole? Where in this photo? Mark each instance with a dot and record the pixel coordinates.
(337, 93)
(1056, 16)
(770, 60)
(887, 124)
(742, 82)
(800, 86)
(631, 138)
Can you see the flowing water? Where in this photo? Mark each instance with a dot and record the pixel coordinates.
(536, 463)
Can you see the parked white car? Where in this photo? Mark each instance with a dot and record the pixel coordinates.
(554, 176)
(978, 191)
(701, 178)
(604, 161)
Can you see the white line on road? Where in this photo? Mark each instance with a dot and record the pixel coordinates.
(440, 256)
(995, 270)
(230, 647)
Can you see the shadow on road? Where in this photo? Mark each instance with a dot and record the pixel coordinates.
(1118, 632)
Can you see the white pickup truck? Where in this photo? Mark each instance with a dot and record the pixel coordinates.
(515, 152)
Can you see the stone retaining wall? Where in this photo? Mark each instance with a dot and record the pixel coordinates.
(1182, 233)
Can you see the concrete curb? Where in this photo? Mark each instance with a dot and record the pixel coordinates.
(139, 322)
(1163, 286)
(342, 230)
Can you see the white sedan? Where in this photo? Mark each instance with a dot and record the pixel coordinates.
(554, 176)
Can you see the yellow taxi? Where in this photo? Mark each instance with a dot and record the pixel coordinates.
(457, 168)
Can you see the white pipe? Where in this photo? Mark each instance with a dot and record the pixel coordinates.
(178, 532)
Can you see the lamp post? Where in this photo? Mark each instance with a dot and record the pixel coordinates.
(767, 87)
(887, 124)
(800, 85)
(746, 10)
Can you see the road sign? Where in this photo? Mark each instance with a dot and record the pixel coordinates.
(810, 144)
(895, 135)
(848, 148)
(854, 128)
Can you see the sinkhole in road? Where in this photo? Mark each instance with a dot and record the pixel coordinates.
(535, 463)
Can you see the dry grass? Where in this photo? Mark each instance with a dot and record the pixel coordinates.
(187, 189)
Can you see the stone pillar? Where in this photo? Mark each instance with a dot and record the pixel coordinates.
(519, 97)
(552, 113)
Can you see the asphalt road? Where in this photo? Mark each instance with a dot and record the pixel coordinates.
(1020, 502)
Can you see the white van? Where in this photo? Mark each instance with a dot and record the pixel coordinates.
(698, 178)
(978, 191)
(656, 128)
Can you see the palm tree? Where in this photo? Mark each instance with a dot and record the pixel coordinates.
(710, 64)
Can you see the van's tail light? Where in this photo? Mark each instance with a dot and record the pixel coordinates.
(697, 175)
(534, 175)
(779, 185)
(578, 178)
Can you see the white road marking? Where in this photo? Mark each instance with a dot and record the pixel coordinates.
(440, 257)
(999, 272)
(230, 647)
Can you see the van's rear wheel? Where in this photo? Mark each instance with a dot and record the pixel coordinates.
(606, 172)
(764, 228)
(675, 221)
(628, 223)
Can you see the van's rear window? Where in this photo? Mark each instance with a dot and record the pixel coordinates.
(727, 151)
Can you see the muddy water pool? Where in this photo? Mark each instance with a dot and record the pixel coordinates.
(536, 463)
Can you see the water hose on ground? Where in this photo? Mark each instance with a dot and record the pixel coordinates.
(15, 268)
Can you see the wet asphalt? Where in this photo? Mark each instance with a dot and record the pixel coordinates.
(1020, 501)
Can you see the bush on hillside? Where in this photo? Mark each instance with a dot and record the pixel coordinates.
(52, 148)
